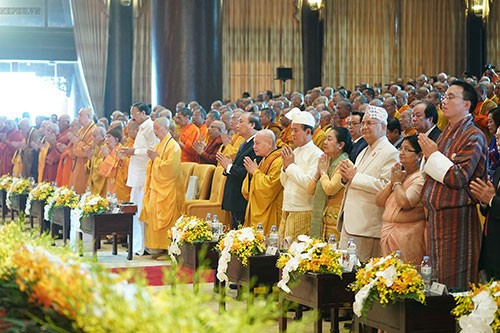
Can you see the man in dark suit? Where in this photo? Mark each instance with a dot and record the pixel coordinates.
(488, 194)
(235, 171)
(353, 124)
(425, 118)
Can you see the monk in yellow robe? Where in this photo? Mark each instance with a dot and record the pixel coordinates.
(121, 189)
(110, 165)
(81, 145)
(65, 147)
(263, 189)
(96, 182)
(163, 193)
(319, 137)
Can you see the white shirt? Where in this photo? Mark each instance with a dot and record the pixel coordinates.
(145, 139)
(297, 176)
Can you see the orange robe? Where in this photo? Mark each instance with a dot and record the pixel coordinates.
(42, 156)
(121, 189)
(51, 163)
(204, 132)
(189, 135)
(286, 136)
(319, 137)
(163, 193)
(232, 148)
(64, 166)
(79, 174)
(7, 151)
(96, 182)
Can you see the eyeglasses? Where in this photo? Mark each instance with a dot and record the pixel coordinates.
(351, 124)
(450, 97)
(406, 150)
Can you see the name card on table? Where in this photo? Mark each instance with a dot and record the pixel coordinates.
(438, 289)
(272, 251)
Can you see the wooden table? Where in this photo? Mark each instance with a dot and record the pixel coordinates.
(37, 212)
(411, 316)
(61, 218)
(18, 204)
(110, 224)
(199, 255)
(3, 202)
(319, 291)
(260, 271)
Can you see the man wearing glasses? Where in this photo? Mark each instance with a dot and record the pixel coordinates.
(458, 157)
(353, 124)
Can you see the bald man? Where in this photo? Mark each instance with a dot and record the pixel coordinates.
(96, 155)
(82, 143)
(53, 155)
(208, 151)
(262, 187)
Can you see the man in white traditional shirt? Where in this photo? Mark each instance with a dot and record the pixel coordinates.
(144, 141)
(359, 216)
(299, 167)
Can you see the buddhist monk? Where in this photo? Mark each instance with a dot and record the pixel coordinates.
(111, 162)
(65, 147)
(95, 156)
(189, 134)
(53, 155)
(163, 196)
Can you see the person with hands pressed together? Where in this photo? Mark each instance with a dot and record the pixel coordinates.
(299, 167)
(488, 194)
(326, 185)
(403, 226)
(458, 157)
(359, 216)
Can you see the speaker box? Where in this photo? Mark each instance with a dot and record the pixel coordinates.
(284, 73)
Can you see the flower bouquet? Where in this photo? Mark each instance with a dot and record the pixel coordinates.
(41, 192)
(479, 311)
(5, 182)
(93, 204)
(386, 280)
(308, 255)
(243, 243)
(62, 197)
(188, 229)
(19, 186)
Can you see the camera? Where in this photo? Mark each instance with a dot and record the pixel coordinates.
(488, 67)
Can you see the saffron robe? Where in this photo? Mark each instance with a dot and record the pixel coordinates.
(42, 156)
(204, 133)
(286, 137)
(208, 154)
(64, 166)
(121, 189)
(51, 164)
(79, 174)
(453, 228)
(163, 193)
(189, 134)
(275, 127)
(232, 148)
(112, 160)
(96, 182)
(7, 151)
(264, 193)
(319, 137)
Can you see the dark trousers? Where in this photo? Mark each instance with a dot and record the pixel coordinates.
(237, 219)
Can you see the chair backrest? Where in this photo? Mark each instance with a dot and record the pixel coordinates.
(204, 172)
(187, 170)
(218, 182)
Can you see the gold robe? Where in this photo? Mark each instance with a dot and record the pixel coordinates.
(319, 137)
(232, 148)
(96, 182)
(121, 189)
(79, 174)
(163, 193)
(42, 157)
(264, 193)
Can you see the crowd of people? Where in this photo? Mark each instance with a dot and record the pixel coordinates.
(404, 166)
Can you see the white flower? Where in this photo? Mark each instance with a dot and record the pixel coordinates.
(480, 319)
(360, 297)
(246, 234)
(389, 274)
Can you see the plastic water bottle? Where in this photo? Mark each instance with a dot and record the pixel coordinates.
(351, 251)
(208, 218)
(216, 228)
(260, 228)
(273, 237)
(113, 203)
(332, 241)
(426, 272)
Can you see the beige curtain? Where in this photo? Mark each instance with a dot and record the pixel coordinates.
(91, 41)
(492, 35)
(141, 68)
(257, 37)
(379, 41)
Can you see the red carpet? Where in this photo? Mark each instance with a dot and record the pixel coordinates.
(155, 274)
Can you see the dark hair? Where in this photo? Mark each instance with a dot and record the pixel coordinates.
(269, 94)
(394, 124)
(430, 111)
(305, 127)
(269, 113)
(185, 111)
(255, 120)
(214, 114)
(358, 113)
(202, 111)
(495, 114)
(246, 94)
(370, 92)
(141, 106)
(413, 141)
(342, 135)
(468, 93)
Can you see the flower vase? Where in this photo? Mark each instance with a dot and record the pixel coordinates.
(191, 255)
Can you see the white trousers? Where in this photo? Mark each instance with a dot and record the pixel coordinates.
(136, 196)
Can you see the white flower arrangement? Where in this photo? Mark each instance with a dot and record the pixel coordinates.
(189, 229)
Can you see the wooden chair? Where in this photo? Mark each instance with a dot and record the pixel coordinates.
(187, 170)
(204, 173)
(213, 204)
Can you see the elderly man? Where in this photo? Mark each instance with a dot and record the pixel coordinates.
(459, 156)
(52, 155)
(262, 187)
(29, 150)
(391, 107)
(359, 217)
(353, 124)
(188, 136)
(230, 145)
(299, 167)
(11, 139)
(199, 115)
(267, 119)
(208, 151)
(163, 197)
(144, 141)
(235, 172)
(82, 143)
(319, 136)
(286, 125)
(96, 155)
(406, 123)
(65, 147)
(425, 120)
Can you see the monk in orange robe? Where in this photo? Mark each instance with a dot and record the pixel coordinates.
(163, 194)
(53, 155)
(111, 162)
(65, 147)
(10, 140)
(81, 145)
(96, 182)
(188, 136)
(121, 189)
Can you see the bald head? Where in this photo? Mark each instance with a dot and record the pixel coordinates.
(326, 118)
(98, 135)
(85, 116)
(161, 126)
(264, 142)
